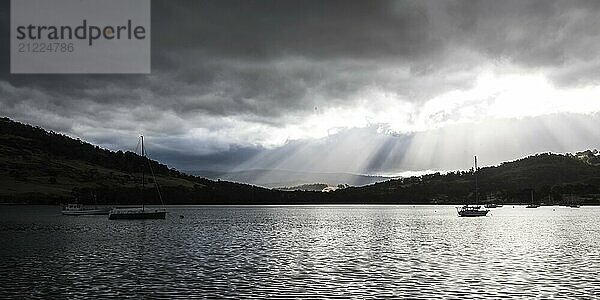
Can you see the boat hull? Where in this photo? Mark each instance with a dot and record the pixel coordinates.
(87, 212)
(141, 215)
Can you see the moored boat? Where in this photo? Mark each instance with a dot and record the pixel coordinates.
(532, 205)
(81, 210)
(473, 210)
(140, 213)
(572, 202)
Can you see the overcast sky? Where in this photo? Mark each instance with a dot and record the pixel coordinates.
(372, 87)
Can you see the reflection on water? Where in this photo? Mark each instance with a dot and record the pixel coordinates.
(303, 251)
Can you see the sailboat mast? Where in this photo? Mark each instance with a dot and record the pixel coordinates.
(143, 165)
(476, 190)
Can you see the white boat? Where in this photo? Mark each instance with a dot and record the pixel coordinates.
(572, 202)
(139, 213)
(532, 205)
(473, 210)
(81, 210)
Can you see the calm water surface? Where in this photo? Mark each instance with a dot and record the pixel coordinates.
(304, 252)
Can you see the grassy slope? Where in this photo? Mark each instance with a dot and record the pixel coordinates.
(37, 166)
(33, 174)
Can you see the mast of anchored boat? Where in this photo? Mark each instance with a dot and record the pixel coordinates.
(143, 165)
(476, 191)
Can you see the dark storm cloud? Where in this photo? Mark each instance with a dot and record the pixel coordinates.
(208, 44)
(264, 29)
(222, 69)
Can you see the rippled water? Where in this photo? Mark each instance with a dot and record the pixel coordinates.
(303, 251)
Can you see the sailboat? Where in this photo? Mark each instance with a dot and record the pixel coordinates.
(532, 205)
(473, 210)
(139, 213)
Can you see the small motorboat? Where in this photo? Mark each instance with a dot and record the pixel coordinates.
(81, 210)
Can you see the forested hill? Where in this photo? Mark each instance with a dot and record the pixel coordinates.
(20, 140)
(554, 179)
(37, 166)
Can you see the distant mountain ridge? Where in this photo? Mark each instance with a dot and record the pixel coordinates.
(287, 178)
